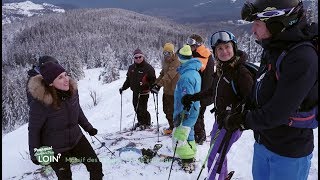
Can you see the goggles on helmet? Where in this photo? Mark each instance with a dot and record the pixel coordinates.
(166, 53)
(191, 42)
(250, 13)
(222, 37)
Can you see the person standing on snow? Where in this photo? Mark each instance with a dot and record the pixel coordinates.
(140, 77)
(281, 149)
(206, 72)
(185, 119)
(54, 118)
(168, 79)
(229, 67)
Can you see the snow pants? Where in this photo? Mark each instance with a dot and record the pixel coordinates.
(268, 165)
(216, 139)
(85, 154)
(143, 114)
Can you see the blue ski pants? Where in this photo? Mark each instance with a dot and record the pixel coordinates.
(268, 165)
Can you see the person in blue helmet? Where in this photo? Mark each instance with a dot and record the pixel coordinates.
(229, 67)
(184, 119)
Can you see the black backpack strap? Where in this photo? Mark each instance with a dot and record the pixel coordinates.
(285, 52)
(234, 81)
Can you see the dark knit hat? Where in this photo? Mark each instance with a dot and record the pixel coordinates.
(51, 71)
(44, 59)
(137, 52)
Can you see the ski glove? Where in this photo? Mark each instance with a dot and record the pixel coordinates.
(155, 88)
(93, 132)
(120, 90)
(186, 101)
(235, 121)
(181, 133)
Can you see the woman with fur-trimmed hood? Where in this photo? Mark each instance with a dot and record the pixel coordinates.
(54, 118)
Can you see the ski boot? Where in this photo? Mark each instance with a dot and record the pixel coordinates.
(167, 131)
(188, 165)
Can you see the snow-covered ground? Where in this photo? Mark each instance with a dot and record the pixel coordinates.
(106, 118)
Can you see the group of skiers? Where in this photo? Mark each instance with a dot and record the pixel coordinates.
(192, 78)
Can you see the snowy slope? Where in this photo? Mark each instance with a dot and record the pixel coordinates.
(106, 118)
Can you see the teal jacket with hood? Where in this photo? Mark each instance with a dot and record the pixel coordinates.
(189, 83)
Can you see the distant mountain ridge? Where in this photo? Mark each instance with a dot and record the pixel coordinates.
(20, 10)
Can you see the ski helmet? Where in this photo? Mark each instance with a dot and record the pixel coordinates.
(277, 14)
(223, 37)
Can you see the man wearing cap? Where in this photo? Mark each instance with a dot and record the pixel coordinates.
(168, 79)
(140, 77)
(281, 150)
(185, 118)
(206, 72)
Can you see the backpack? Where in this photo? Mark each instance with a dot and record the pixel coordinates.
(253, 70)
(304, 117)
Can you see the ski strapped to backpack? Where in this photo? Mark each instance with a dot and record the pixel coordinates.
(302, 118)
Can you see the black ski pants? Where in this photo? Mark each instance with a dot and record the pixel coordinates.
(143, 114)
(85, 153)
(199, 128)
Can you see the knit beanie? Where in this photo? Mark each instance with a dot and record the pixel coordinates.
(137, 52)
(50, 71)
(168, 47)
(44, 59)
(185, 53)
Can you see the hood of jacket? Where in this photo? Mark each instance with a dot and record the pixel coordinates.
(300, 32)
(202, 53)
(192, 64)
(40, 92)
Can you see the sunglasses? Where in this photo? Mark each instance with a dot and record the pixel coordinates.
(222, 37)
(137, 57)
(166, 53)
(250, 13)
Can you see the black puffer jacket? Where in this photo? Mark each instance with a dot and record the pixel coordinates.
(221, 88)
(276, 99)
(140, 77)
(48, 126)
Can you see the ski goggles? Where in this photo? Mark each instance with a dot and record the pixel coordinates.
(191, 42)
(222, 36)
(166, 53)
(250, 13)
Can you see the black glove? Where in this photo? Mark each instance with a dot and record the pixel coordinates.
(220, 116)
(35, 161)
(155, 88)
(187, 101)
(235, 121)
(120, 90)
(93, 132)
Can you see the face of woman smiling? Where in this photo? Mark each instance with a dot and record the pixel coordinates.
(224, 51)
(61, 82)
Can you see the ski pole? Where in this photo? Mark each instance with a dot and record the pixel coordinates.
(221, 157)
(104, 144)
(174, 153)
(204, 163)
(158, 115)
(121, 113)
(156, 109)
(175, 148)
(134, 119)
